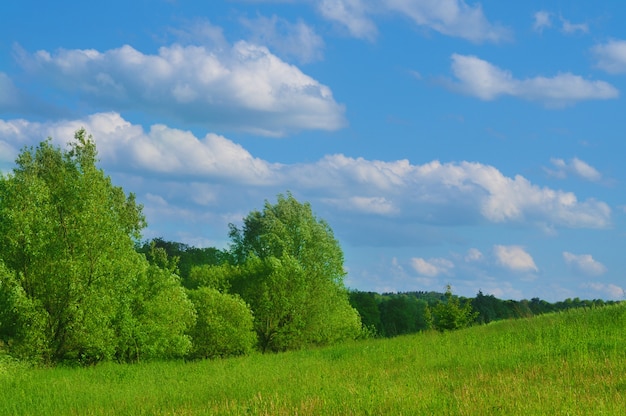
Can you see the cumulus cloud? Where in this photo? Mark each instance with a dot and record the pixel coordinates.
(432, 267)
(584, 263)
(481, 79)
(433, 193)
(611, 56)
(575, 167)
(242, 87)
(161, 150)
(514, 258)
(294, 40)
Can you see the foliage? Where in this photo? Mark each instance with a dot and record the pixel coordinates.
(74, 282)
(187, 257)
(224, 326)
(450, 315)
(291, 274)
(215, 277)
(367, 307)
(158, 316)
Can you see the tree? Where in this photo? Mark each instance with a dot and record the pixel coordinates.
(188, 257)
(67, 239)
(224, 326)
(365, 303)
(291, 273)
(451, 314)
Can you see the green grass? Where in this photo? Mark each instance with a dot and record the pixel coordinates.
(570, 363)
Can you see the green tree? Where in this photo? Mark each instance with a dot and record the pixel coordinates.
(224, 326)
(291, 274)
(188, 257)
(67, 239)
(367, 306)
(450, 314)
(213, 276)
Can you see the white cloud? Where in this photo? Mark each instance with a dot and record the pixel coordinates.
(572, 28)
(584, 263)
(432, 267)
(450, 17)
(574, 166)
(297, 40)
(473, 255)
(242, 87)
(160, 150)
(486, 81)
(353, 14)
(611, 56)
(432, 193)
(514, 258)
(612, 291)
(363, 204)
(542, 20)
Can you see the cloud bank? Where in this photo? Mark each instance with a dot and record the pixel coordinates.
(432, 193)
(239, 87)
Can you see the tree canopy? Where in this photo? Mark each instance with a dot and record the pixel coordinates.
(291, 273)
(74, 283)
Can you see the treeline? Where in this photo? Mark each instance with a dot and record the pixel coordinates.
(392, 314)
(77, 286)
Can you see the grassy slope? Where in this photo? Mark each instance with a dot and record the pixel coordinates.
(568, 363)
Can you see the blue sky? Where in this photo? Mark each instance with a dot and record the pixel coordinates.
(444, 141)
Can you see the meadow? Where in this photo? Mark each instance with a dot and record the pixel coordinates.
(567, 363)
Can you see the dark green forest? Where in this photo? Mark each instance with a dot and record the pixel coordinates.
(79, 285)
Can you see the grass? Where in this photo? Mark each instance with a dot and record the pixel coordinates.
(570, 363)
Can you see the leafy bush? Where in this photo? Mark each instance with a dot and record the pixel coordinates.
(224, 325)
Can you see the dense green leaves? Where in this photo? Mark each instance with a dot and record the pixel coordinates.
(74, 283)
(224, 326)
(451, 314)
(291, 274)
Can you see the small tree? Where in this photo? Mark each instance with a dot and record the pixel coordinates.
(450, 314)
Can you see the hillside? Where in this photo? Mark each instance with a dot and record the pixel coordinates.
(571, 362)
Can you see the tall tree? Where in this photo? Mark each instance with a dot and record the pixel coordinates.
(292, 277)
(67, 236)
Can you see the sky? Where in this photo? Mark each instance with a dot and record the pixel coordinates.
(476, 144)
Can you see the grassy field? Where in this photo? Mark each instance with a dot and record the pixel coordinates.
(570, 363)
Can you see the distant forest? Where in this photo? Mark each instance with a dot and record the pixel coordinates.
(385, 314)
